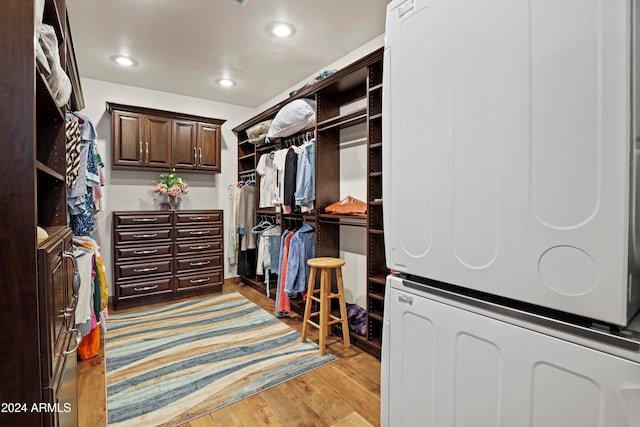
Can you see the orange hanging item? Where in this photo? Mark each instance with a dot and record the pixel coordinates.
(90, 345)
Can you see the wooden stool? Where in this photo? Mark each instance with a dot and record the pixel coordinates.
(326, 318)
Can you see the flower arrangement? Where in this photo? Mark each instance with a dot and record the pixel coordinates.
(172, 186)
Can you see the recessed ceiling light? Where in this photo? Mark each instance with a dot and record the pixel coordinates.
(225, 82)
(281, 29)
(125, 61)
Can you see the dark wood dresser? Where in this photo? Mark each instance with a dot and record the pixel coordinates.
(163, 255)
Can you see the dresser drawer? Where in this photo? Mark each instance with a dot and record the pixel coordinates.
(183, 218)
(146, 287)
(151, 235)
(207, 279)
(199, 247)
(142, 219)
(148, 251)
(142, 269)
(199, 263)
(198, 233)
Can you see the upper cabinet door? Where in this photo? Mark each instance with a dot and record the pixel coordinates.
(128, 136)
(184, 151)
(209, 147)
(157, 150)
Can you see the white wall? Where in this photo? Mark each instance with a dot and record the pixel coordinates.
(131, 190)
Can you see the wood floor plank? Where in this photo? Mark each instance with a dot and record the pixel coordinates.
(352, 420)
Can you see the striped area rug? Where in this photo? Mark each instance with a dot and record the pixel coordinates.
(167, 365)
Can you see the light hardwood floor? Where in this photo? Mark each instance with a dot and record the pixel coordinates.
(344, 393)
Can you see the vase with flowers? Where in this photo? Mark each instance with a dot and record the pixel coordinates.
(171, 186)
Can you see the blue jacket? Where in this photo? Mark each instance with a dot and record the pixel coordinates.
(302, 248)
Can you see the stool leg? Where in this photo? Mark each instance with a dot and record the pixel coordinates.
(307, 306)
(324, 282)
(343, 309)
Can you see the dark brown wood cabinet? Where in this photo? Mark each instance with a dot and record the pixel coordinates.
(140, 140)
(146, 138)
(350, 97)
(37, 347)
(160, 255)
(196, 146)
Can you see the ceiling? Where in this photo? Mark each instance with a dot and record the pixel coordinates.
(184, 46)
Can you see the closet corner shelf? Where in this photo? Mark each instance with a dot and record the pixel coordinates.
(49, 171)
(376, 87)
(375, 174)
(376, 145)
(374, 231)
(375, 116)
(248, 156)
(375, 202)
(344, 121)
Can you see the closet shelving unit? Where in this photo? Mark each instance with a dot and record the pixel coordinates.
(39, 353)
(349, 97)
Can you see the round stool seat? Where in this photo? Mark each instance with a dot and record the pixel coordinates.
(325, 262)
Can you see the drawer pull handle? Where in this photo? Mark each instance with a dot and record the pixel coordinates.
(200, 280)
(195, 264)
(146, 288)
(198, 218)
(145, 219)
(145, 252)
(198, 233)
(199, 248)
(78, 339)
(145, 236)
(144, 270)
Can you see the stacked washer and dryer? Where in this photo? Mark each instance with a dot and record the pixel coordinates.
(510, 156)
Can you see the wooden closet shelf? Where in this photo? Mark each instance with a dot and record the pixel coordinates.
(248, 156)
(374, 231)
(376, 145)
(375, 315)
(344, 121)
(377, 295)
(45, 100)
(353, 220)
(376, 87)
(375, 117)
(49, 171)
(379, 279)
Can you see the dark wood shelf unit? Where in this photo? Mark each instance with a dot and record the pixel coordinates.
(39, 353)
(339, 99)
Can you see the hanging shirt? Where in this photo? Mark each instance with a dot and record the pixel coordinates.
(266, 169)
(306, 176)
